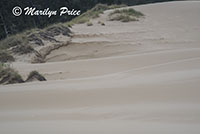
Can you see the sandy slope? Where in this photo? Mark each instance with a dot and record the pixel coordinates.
(139, 77)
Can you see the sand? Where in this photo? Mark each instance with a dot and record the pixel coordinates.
(137, 77)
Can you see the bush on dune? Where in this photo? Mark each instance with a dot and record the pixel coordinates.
(9, 75)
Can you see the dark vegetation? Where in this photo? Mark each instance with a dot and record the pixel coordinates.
(10, 76)
(9, 24)
(23, 49)
(6, 57)
(35, 76)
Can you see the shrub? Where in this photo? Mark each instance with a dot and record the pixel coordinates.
(34, 75)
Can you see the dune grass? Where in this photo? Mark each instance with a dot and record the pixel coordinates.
(19, 43)
(23, 39)
(8, 75)
(13, 40)
(92, 14)
(6, 57)
(125, 15)
(35, 75)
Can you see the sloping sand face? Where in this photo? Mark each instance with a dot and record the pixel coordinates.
(144, 78)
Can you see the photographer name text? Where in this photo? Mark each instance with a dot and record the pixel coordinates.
(33, 11)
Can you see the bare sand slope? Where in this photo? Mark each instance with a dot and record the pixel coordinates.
(144, 78)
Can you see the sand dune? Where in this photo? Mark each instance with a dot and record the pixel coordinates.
(137, 77)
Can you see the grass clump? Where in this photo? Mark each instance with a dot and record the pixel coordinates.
(123, 18)
(9, 75)
(130, 12)
(125, 15)
(6, 57)
(35, 76)
(89, 24)
(101, 23)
